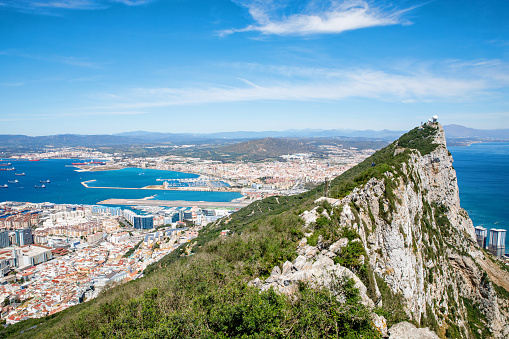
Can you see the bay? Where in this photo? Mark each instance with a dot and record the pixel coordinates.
(65, 184)
(483, 180)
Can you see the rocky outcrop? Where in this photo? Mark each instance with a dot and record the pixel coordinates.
(315, 268)
(422, 243)
(405, 330)
(418, 241)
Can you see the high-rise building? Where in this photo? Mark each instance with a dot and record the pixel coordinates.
(24, 237)
(497, 242)
(481, 234)
(143, 222)
(4, 239)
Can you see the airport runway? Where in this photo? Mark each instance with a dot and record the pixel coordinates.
(173, 203)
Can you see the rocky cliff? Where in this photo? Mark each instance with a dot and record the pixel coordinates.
(384, 249)
(419, 243)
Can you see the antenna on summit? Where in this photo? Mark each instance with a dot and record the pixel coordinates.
(435, 118)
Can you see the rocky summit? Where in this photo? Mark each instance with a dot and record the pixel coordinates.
(384, 250)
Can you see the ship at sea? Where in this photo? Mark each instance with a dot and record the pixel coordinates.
(44, 181)
(4, 186)
(20, 174)
(42, 186)
(6, 164)
(12, 181)
(7, 169)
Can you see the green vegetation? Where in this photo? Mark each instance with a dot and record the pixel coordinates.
(419, 139)
(201, 289)
(393, 304)
(385, 160)
(131, 250)
(476, 320)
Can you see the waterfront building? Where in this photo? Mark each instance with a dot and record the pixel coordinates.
(4, 239)
(143, 222)
(129, 216)
(114, 211)
(24, 237)
(497, 242)
(481, 234)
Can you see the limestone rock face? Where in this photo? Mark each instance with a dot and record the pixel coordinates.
(405, 330)
(422, 243)
(313, 268)
(418, 240)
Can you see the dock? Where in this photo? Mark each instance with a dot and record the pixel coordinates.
(173, 203)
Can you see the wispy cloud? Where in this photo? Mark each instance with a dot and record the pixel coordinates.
(275, 83)
(48, 7)
(12, 84)
(318, 17)
(68, 60)
(53, 116)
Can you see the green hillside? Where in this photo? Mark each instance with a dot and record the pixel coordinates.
(201, 290)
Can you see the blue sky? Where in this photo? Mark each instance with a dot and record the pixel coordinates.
(109, 66)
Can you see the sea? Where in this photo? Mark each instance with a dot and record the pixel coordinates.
(483, 181)
(482, 170)
(65, 186)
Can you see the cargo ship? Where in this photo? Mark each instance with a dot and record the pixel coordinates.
(44, 181)
(12, 181)
(7, 169)
(42, 186)
(21, 174)
(4, 186)
(6, 164)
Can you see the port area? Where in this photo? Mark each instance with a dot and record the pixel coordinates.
(173, 203)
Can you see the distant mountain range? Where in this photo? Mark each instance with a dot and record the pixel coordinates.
(456, 133)
(292, 133)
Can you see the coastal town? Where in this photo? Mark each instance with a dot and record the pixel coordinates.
(54, 256)
(291, 174)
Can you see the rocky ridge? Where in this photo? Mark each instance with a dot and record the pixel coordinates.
(418, 241)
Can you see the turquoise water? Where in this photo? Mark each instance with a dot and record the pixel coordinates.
(483, 180)
(65, 184)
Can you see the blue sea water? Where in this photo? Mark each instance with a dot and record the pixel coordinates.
(482, 170)
(65, 184)
(483, 180)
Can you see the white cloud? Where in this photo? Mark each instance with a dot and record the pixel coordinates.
(274, 83)
(334, 17)
(48, 7)
(68, 60)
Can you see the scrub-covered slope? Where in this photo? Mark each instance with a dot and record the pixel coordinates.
(387, 246)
